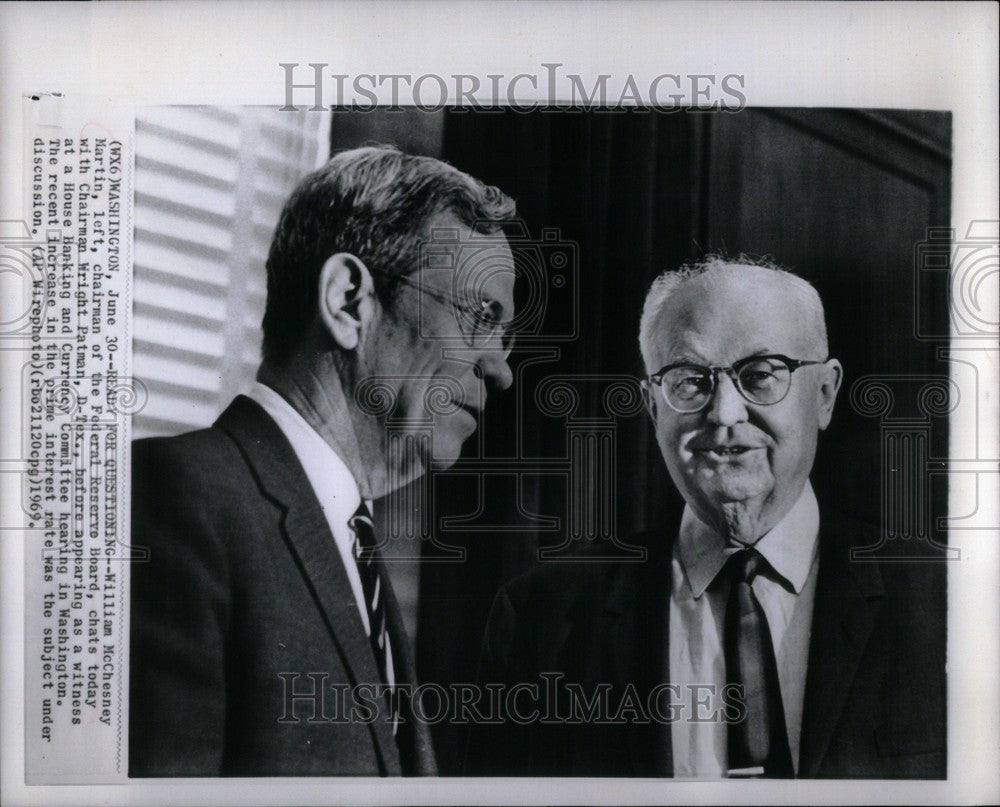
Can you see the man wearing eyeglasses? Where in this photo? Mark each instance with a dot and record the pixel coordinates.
(266, 639)
(748, 644)
(740, 386)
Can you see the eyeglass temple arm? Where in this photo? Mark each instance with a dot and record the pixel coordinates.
(795, 364)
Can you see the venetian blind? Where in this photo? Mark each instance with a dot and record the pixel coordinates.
(209, 186)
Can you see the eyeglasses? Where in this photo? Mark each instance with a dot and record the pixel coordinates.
(762, 380)
(478, 321)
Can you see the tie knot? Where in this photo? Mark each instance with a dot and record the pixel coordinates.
(362, 525)
(746, 564)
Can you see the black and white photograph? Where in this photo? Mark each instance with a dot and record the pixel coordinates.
(612, 419)
(398, 433)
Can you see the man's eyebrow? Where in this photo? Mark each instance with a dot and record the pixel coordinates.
(687, 358)
(691, 358)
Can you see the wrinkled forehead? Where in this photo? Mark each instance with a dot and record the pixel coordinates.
(723, 316)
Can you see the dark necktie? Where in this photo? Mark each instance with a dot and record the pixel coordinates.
(758, 745)
(366, 556)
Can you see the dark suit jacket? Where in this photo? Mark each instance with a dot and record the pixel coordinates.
(244, 582)
(875, 686)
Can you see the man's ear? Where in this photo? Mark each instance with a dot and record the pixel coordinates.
(345, 285)
(833, 375)
(648, 398)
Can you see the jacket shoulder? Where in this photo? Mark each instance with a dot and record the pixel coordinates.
(197, 464)
(201, 452)
(191, 485)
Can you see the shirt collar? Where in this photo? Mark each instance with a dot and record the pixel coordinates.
(329, 476)
(789, 547)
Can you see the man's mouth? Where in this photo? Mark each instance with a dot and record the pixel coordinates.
(726, 451)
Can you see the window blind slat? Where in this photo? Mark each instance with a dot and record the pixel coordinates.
(210, 186)
(187, 413)
(174, 366)
(169, 332)
(183, 248)
(160, 205)
(185, 173)
(191, 227)
(197, 138)
(156, 348)
(179, 392)
(197, 284)
(171, 297)
(143, 308)
(192, 123)
(186, 156)
(157, 184)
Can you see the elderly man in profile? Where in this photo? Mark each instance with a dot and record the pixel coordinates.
(266, 639)
(748, 644)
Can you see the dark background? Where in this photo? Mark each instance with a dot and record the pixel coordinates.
(842, 197)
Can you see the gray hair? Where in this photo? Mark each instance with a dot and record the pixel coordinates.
(376, 203)
(802, 291)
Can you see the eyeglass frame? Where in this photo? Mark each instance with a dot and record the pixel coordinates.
(506, 333)
(733, 371)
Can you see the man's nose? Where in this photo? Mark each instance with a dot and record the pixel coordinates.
(493, 367)
(727, 406)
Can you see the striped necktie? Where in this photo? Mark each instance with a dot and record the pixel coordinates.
(367, 558)
(758, 744)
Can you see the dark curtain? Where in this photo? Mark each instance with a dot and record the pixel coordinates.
(842, 197)
(616, 190)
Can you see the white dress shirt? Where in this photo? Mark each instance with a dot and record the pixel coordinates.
(697, 616)
(334, 486)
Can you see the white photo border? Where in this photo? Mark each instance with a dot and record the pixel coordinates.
(931, 55)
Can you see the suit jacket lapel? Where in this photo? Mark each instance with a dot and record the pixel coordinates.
(848, 596)
(418, 757)
(281, 475)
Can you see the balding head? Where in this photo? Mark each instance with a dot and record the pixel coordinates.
(724, 336)
(801, 306)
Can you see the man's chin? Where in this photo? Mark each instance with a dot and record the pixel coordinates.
(736, 505)
(449, 436)
(735, 489)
